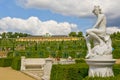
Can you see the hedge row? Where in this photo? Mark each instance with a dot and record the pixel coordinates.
(69, 72)
(115, 53)
(79, 72)
(5, 62)
(80, 60)
(45, 53)
(15, 63)
(75, 49)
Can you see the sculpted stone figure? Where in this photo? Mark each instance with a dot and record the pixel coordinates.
(101, 40)
(99, 56)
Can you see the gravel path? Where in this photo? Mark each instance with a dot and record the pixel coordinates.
(9, 74)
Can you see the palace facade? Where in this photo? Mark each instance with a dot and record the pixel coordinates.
(50, 38)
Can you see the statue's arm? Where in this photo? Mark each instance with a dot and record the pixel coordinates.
(100, 18)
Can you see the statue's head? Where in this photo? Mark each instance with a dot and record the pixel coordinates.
(97, 10)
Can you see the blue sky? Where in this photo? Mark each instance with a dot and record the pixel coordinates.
(13, 13)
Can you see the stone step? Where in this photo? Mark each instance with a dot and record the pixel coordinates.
(37, 74)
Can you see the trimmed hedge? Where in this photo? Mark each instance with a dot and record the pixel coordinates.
(69, 72)
(80, 60)
(116, 53)
(5, 62)
(79, 72)
(116, 69)
(16, 64)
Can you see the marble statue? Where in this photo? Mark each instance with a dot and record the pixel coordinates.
(99, 56)
(101, 40)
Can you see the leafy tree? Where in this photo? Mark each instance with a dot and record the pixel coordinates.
(3, 35)
(9, 34)
(13, 35)
(80, 34)
(115, 36)
(72, 34)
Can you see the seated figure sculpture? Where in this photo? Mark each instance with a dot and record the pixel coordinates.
(101, 40)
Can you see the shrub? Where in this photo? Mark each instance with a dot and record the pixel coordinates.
(69, 72)
(80, 60)
(116, 69)
(79, 72)
(116, 54)
(5, 62)
(16, 64)
(10, 54)
(1, 62)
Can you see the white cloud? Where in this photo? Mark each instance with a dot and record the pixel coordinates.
(35, 26)
(111, 30)
(74, 7)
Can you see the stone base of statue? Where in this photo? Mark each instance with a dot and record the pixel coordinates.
(100, 67)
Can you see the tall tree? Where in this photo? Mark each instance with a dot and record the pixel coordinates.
(80, 34)
(72, 34)
(3, 35)
(9, 34)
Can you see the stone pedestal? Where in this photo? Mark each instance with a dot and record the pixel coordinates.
(47, 69)
(100, 67)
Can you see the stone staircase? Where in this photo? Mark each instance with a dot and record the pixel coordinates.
(35, 73)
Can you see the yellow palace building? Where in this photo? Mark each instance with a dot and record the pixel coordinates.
(48, 38)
